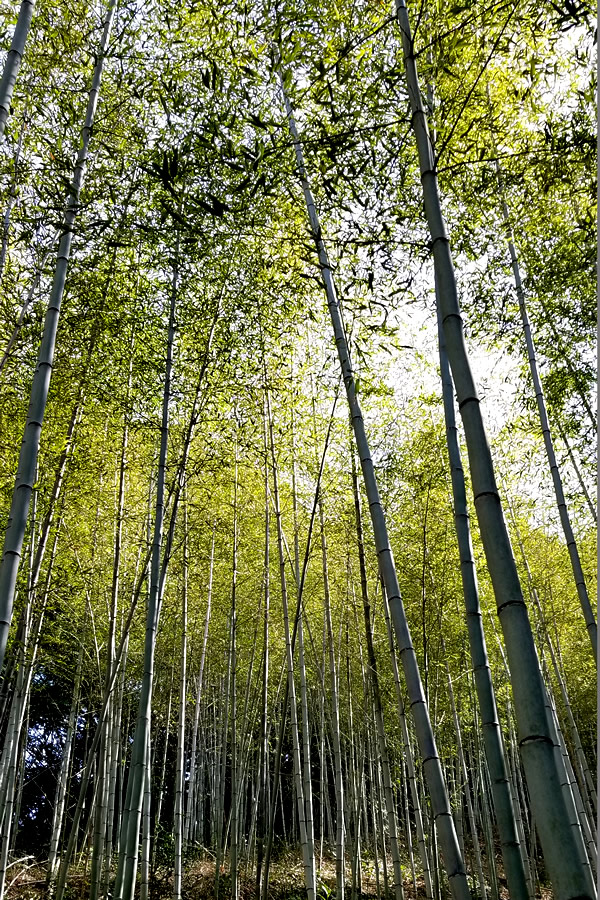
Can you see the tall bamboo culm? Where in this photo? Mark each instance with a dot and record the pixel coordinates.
(130, 828)
(13, 60)
(565, 519)
(562, 855)
(492, 734)
(19, 509)
(431, 762)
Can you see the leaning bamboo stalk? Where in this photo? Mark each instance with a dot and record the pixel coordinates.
(409, 758)
(178, 818)
(585, 819)
(568, 877)
(126, 873)
(263, 775)
(90, 753)
(492, 734)
(323, 781)
(146, 854)
(162, 768)
(21, 781)
(12, 197)
(577, 471)
(376, 693)
(486, 816)
(113, 713)
(101, 811)
(581, 761)
(191, 808)
(27, 466)
(540, 400)
(431, 762)
(20, 704)
(221, 770)
(25, 303)
(562, 762)
(62, 781)
(308, 859)
(116, 765)
(280, 545)
(20, 698)
(465, 779)
(335, 720)
(234, 768)
(13, 60)
(573, 372)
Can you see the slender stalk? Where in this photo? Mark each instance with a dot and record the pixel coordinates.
(308, 859)
(263, 775)
(24, 482)
(234, 738)
(577, 471)
(191, 808)
(377, 704)
(561, 851)
(335, 721)
(128, 858)
(540, 400)
(492, 734)
(180, 768)
(12, 198)
(465, 779)
(431, 762)
(13, 60)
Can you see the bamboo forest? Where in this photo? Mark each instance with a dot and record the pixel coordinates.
(298, 450)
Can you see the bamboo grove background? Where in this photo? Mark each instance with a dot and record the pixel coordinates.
(244, 653)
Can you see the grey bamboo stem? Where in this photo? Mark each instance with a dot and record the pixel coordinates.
(180, 769)
(234, 768)
(569, 878)
(431, 763)
(62, 783)
(263, 775)
(582, 593)
(12, 199)
(577, 471)
(308, 859)
(586, 776)
(145, 867)
(13, 60)
(335, 721)
(190, 810)
(17, 520)
(306, 772)
(465, 780)
(492, 734)
(377, 704)
(128, 859)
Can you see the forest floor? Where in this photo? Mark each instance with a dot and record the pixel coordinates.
(286, 883)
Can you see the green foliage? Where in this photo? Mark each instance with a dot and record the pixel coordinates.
(190, 146)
